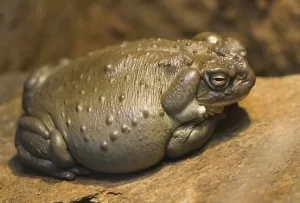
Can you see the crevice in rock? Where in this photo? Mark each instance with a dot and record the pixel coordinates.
(114, 193)
(86, 199)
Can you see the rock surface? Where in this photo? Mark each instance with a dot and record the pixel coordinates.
(253, 157)
(43, 31)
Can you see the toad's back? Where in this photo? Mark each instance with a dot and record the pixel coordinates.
(107, 105)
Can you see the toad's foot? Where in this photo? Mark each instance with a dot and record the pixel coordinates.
(190, 137)
(44, 150)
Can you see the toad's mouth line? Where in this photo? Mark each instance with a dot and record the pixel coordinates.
(218, 107)
(220, 104)
(211, 111)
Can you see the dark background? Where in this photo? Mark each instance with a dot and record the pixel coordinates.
(35, 32)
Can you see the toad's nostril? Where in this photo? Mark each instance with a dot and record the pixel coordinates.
(242, 76)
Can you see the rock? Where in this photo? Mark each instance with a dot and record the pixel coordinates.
(253, 157)
(43, 31)
(12, 86)
(269, 29)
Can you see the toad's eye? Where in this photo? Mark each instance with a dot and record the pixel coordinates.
(217, 81)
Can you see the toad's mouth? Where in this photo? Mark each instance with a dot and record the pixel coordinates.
(217, 107)
(220, 102)
(213, 108)
(211, 111)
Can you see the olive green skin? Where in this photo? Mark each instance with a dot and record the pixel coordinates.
(108, 105)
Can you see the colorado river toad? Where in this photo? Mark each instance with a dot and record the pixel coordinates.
(123, 108)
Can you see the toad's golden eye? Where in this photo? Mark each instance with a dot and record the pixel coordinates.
(217, 81)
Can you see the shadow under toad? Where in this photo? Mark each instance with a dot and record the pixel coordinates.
(101, 179)
(236, 121)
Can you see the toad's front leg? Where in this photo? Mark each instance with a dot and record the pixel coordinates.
(191, 136)
(179, 101)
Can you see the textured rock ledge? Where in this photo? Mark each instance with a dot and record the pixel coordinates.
(254, 157)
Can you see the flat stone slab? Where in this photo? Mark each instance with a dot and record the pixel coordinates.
(253, 157)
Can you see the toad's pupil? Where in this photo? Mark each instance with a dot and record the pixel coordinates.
(219, 79)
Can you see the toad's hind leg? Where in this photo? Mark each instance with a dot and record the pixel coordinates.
(43, 165)
(45, 151)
